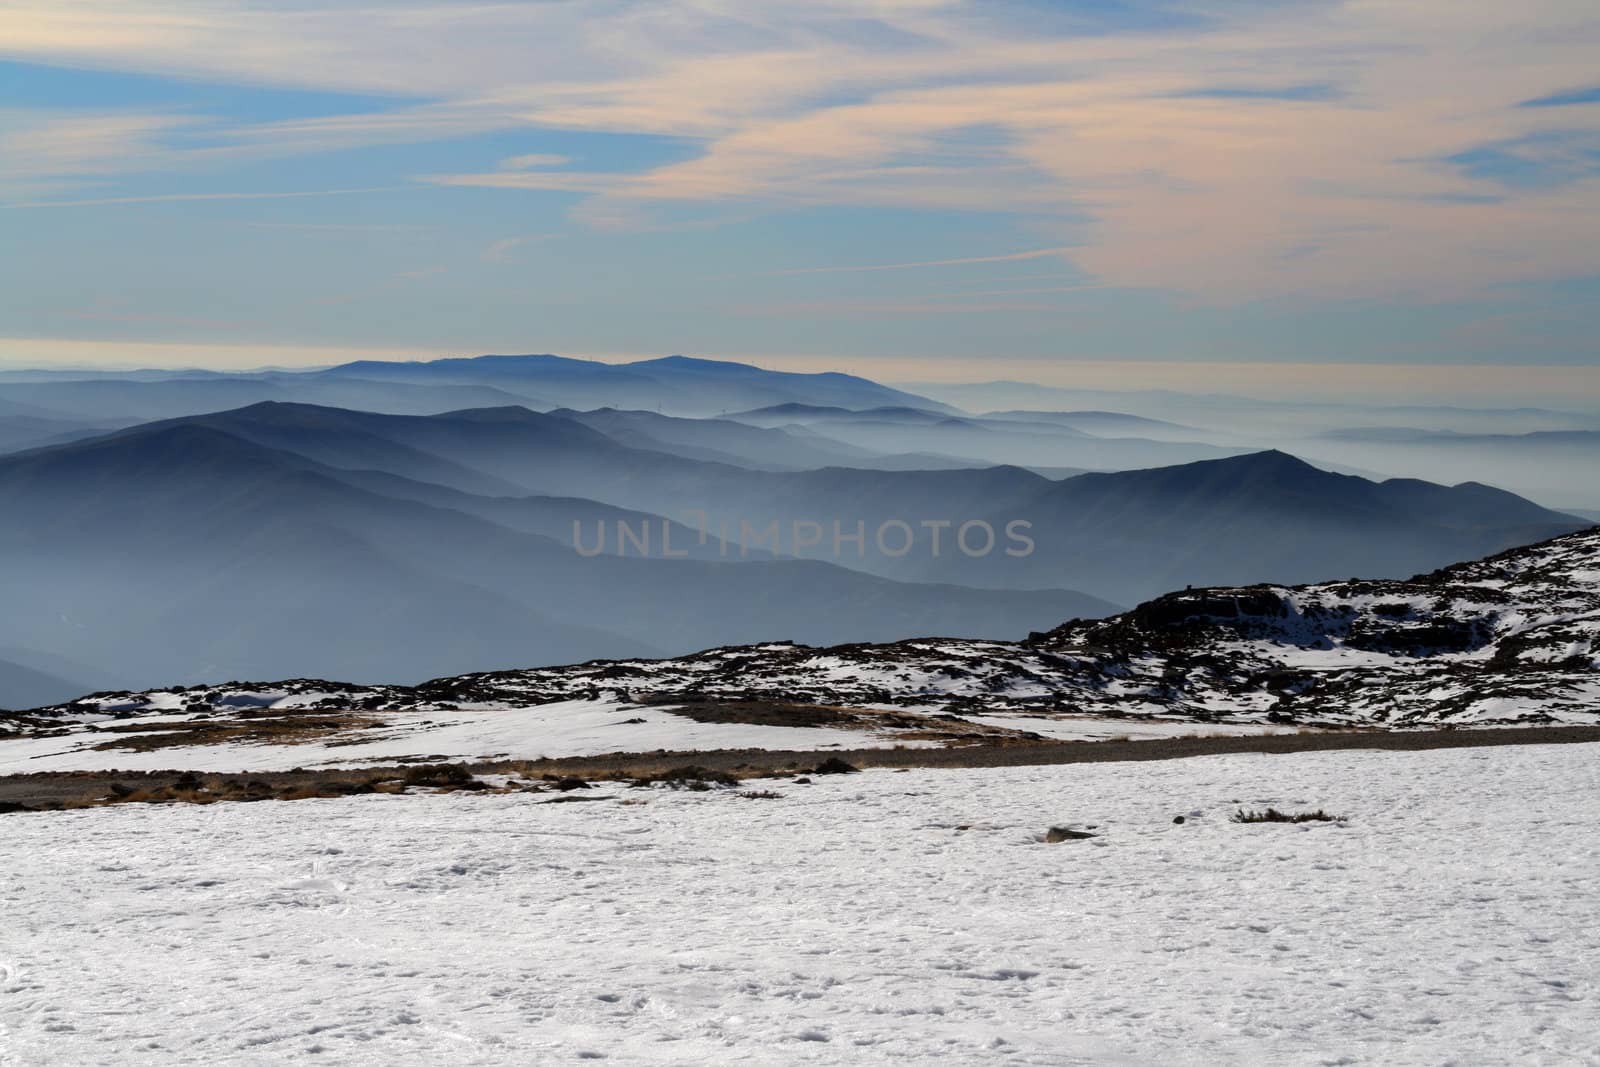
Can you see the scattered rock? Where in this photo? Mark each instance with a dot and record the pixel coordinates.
(835, 765)
(1057, 834)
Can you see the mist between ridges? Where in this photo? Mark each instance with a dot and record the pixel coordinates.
(802, 538)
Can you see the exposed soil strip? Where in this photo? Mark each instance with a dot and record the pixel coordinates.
(53, 789)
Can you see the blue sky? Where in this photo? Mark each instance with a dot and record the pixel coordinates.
(916, 188)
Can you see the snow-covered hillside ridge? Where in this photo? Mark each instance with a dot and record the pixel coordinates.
(1510, 639)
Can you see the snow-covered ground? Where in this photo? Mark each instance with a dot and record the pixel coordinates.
(564, 728)
(556, 730)
(881, 917)
(1095, 728)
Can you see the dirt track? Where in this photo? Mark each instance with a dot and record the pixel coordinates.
(54, 789)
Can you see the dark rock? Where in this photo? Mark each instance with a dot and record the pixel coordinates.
(1057, 834)
(835, 765)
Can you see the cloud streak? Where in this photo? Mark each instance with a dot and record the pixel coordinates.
(164, 198)
(1010, 257)
(500, 251)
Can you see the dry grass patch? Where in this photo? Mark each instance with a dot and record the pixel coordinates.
(274, 727)
(695, 779)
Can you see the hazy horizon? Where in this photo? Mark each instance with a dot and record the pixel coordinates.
(1575, 389)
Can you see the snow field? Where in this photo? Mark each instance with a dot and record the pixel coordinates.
(556, 730)
(883, 917)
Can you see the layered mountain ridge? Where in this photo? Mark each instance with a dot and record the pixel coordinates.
(466, 514)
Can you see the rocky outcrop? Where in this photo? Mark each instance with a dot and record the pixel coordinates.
(1510, 639)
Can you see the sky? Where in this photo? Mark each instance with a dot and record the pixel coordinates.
(914, 189)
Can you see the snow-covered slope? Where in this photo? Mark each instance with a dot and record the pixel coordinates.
(1510, 639)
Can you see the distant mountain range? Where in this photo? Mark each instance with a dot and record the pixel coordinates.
(22, 686)
(1102, 422)
(1554, 465)
(289, 538)
(19, 433)
(184, 550)
(1261, 517)
(674, 385)
(283, 537)
(733, 442)
(829, 419)
(1123, 536)
(1091, 440)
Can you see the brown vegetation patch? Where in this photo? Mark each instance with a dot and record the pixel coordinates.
(910, 726)
(278, 728)
(770, 713)
(55, 790)
(695, 778)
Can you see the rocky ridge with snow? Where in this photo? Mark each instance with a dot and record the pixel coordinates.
(1512, 639)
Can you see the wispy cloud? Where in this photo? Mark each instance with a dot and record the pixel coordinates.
(54, 143)
(1318, 93)
(1570, 98)
(1547, 160)
(1130, 141)
(1009, 257)
(500, 251)
(171, 197)
(46, 152)
(806, 309)
(964, 302)
(100, 315)
(533, 160)
(339, 227)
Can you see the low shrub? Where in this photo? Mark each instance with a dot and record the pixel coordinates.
(1274, 815)
(695, 779)
(439, 775)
